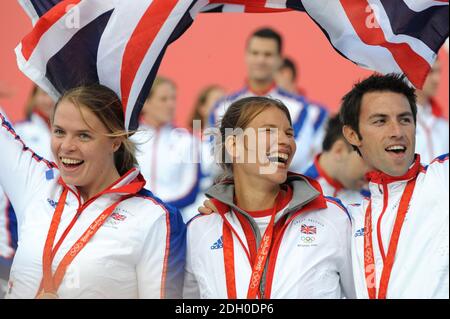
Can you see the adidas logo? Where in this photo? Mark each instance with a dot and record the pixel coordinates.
(218, 244)
(359, 232)
(52, 202)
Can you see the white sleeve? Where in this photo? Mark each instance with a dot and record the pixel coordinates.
(22, 171)
(188, 183)
(6, 249)
(444, 137)
(191, 288)
(160, 270)
(438, 170)
(346, 270)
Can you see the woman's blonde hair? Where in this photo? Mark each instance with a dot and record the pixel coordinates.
(157, 82)
(106, 105)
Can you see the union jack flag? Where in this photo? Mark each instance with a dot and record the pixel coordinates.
(118, 217)
(120, 43)
(308, 229)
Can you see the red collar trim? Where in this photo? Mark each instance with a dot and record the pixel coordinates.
(318, 203)
(379, 177)
(132, 187)
(261, 93)
(267, 212)
(222, 208)
(337, 185)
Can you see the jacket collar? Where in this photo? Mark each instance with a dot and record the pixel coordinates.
(304, 191)
(260, 93)
(130, 183)
(379, 177)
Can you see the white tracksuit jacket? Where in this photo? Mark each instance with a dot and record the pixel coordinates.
(138, 253)
(304, 265)
(169, 161)
(421, 264)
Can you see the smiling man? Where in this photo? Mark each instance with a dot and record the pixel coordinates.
(400, 236)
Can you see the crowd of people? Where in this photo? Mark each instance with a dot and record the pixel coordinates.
(295, 202)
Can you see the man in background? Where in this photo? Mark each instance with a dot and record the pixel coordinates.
(339, 169)
(263, 58)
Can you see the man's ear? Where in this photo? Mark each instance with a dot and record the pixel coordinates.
(351, 136)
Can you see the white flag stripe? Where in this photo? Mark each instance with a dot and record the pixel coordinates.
(30, 11)
(115, 39)
(233, 8)
(36, 75)
(420, 5)
(153, 53)
(210, 7)
(342, 36)
(200, 6)
(278, 4)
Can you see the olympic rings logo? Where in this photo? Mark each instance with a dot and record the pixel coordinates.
(308, 239)
(255, 280)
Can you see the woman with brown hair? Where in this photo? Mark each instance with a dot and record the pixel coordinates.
(205, 101)
(198, 123)
(274, 234)
(88, 228)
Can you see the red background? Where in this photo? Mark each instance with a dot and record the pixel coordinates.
(211, 51)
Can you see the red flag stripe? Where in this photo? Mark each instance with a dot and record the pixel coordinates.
(412, 64)
(251, 6)
(142, 38)
(30, 42)
(255, 6)
(255, 3)
(251, 9)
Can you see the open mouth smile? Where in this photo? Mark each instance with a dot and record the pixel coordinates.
(70, 163)
(278, 157)
(397, 149)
